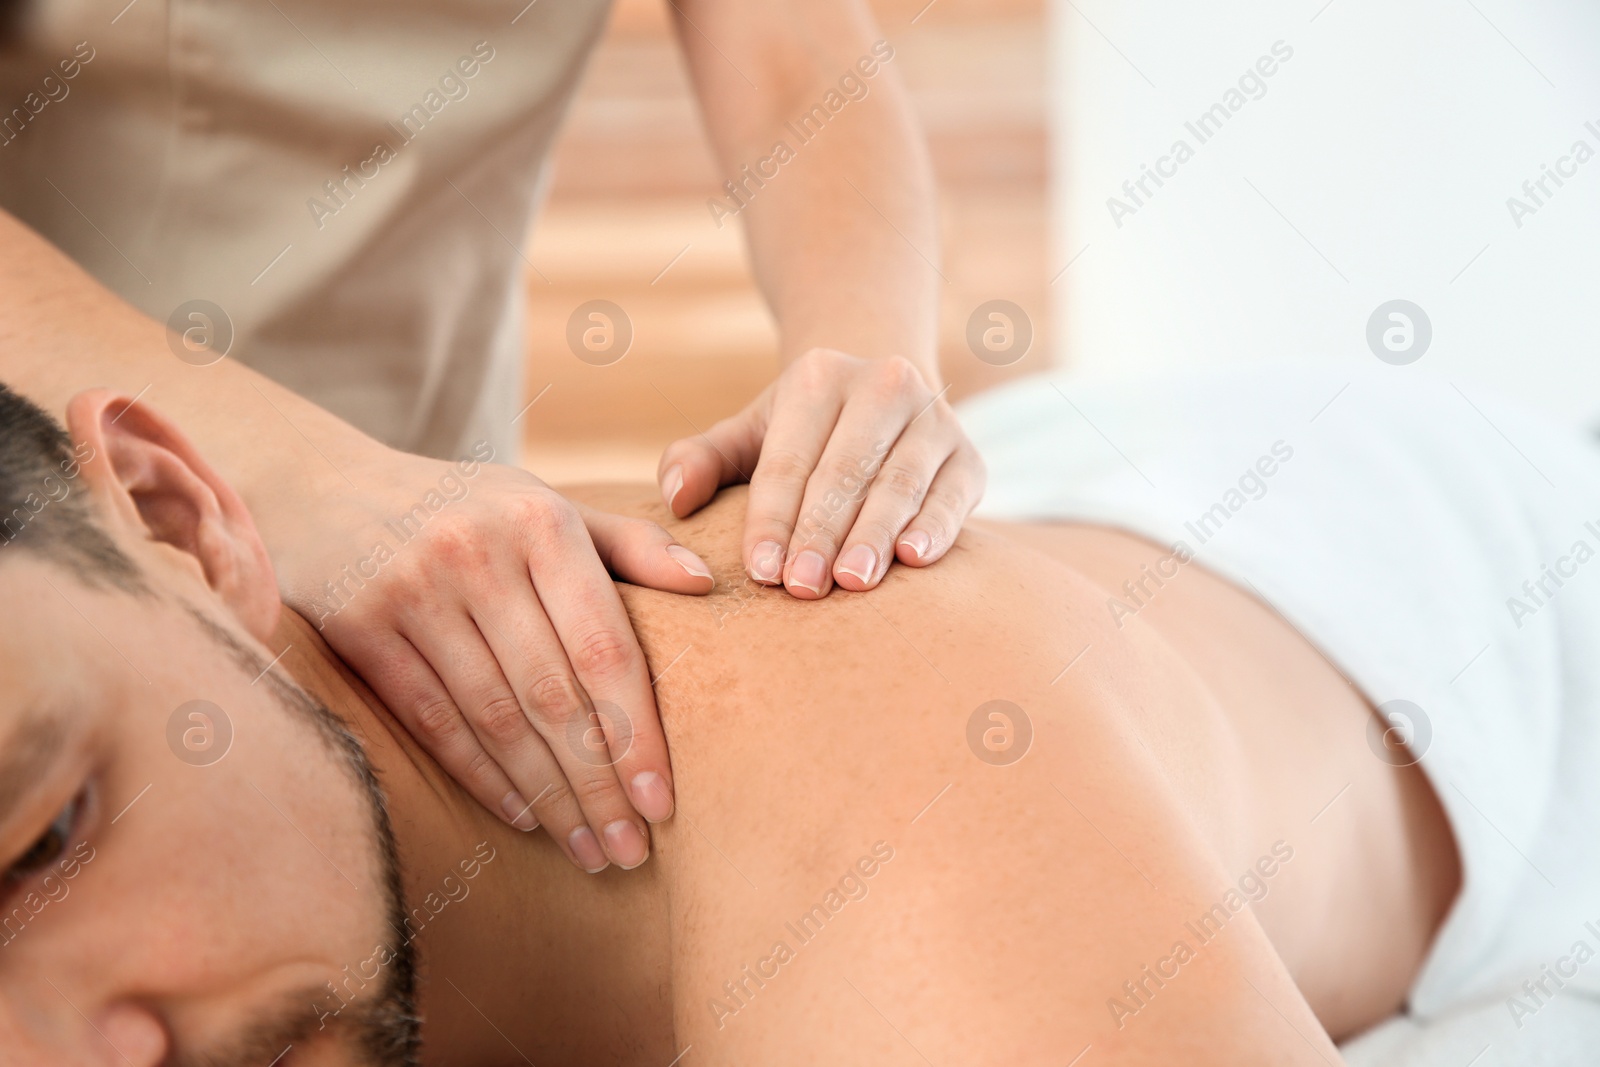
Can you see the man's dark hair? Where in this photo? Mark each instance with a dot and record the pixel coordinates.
(10, 23)
(41, 510)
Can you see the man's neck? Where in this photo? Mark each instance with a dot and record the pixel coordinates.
(520, 955)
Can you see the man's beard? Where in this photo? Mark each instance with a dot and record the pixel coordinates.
(385, 1030)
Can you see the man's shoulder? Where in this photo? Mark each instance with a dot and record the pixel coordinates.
(994, 619)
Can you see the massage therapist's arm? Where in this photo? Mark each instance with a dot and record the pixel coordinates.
(484, 632)
(831, 179)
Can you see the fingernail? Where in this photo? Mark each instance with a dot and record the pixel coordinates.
(766, 562)
(689, 561)
(918, 542)
(859, 562)
(672, 484)
(519, 812)
(626, 844)
(651, 797)
(809, 571)
(586, 850)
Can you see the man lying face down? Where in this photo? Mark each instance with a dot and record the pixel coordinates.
(969, 821)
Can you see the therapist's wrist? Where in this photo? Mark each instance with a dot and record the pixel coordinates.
(925, 362)
(320, 481)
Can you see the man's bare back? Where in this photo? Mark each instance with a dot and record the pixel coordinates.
(873, 861)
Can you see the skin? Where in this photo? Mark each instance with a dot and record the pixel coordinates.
(855, 291)
(1006, 906)
(499, 622)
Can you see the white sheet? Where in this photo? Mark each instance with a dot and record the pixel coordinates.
(1563, 1035)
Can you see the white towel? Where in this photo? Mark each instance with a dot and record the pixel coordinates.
(1394, 521)
(1485, 1035)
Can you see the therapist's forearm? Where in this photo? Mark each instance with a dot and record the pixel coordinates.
(61, 331)
(845, 238)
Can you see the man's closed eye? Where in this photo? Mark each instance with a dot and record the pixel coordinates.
(49, 847)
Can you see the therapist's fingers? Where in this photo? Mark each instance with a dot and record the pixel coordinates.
(587, 614)
(642, 552)
(896, 496)
(805, 408)
(850, 466)
(413, 692)
(955, 491)
(693, 468)
(481, 696)
(526, 718)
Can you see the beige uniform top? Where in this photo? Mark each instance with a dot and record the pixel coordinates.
(350, 181)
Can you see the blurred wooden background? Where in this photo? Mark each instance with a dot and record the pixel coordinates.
(626, 221)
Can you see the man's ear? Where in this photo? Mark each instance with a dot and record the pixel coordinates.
(155, 485)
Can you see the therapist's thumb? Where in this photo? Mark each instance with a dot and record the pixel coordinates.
(693, 468)
(642, 553)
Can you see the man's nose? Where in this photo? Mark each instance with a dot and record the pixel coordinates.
(119, 1035)
(132, 1035)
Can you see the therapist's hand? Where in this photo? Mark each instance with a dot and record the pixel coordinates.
(851, 463)
(488, 623)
